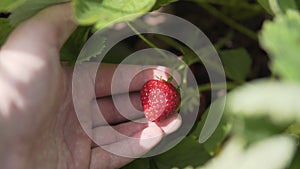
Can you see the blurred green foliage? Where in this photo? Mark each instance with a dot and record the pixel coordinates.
(261, 123)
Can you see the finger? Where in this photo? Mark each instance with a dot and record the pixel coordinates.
(125, 78)
(118, 109)
(110, 79)
(118, 154)
(171, 124)
(44, 33)
(30, 54)
(105, 135)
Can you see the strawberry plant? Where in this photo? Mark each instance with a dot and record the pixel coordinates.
(258, 42)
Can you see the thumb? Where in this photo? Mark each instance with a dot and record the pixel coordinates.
(44, 33)
(29, 60)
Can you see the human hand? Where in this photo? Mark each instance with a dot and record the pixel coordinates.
(39, 127)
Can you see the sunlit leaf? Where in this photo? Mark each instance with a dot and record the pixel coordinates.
(273, 153)
(281, 39)
(278, 6)
(9, 5)
(106, 12)
(286, 4)
(277, 100)
(265, 4)
(30, 8)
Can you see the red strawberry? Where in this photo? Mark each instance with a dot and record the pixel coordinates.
(159, 99)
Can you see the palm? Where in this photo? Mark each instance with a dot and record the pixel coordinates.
(74, 146)
(38, 113)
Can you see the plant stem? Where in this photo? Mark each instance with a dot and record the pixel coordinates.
(218, 45)
(156, 48)
(227, 20)
(242, 4)
(146, 40)
(209, 86)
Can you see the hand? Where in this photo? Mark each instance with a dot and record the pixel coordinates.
(39, 127)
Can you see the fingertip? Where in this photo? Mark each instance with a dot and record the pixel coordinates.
(171, 124)
(46, 30)
(165, 72)
(150, 137)
(137, 145)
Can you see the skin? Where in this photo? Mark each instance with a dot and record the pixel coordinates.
(39, 127)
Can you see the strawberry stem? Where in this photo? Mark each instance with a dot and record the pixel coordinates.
(158, 77)
(170, 78)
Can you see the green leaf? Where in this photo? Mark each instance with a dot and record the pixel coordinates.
(281, 39)
(214, 143)
(154, 164)
(263, 108)
(237, 63)
(272, 153)
(277, 100)
(93, 51)
(278, 6)
(161, 3)
(74, 44)
(9, 5)
(298, 3)
(5, 30)
(294, 130)
(286, 4)
(30, 8)
(218, 134)
(187, 153)
(142, 163)
(254, 129)
(106, 12)
(296, 161)
(117, 53)
(190, 98)
(265, 4)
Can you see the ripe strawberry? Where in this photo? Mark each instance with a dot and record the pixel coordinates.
(159, 99)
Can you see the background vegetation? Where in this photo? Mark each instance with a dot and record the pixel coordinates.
(259, 45)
